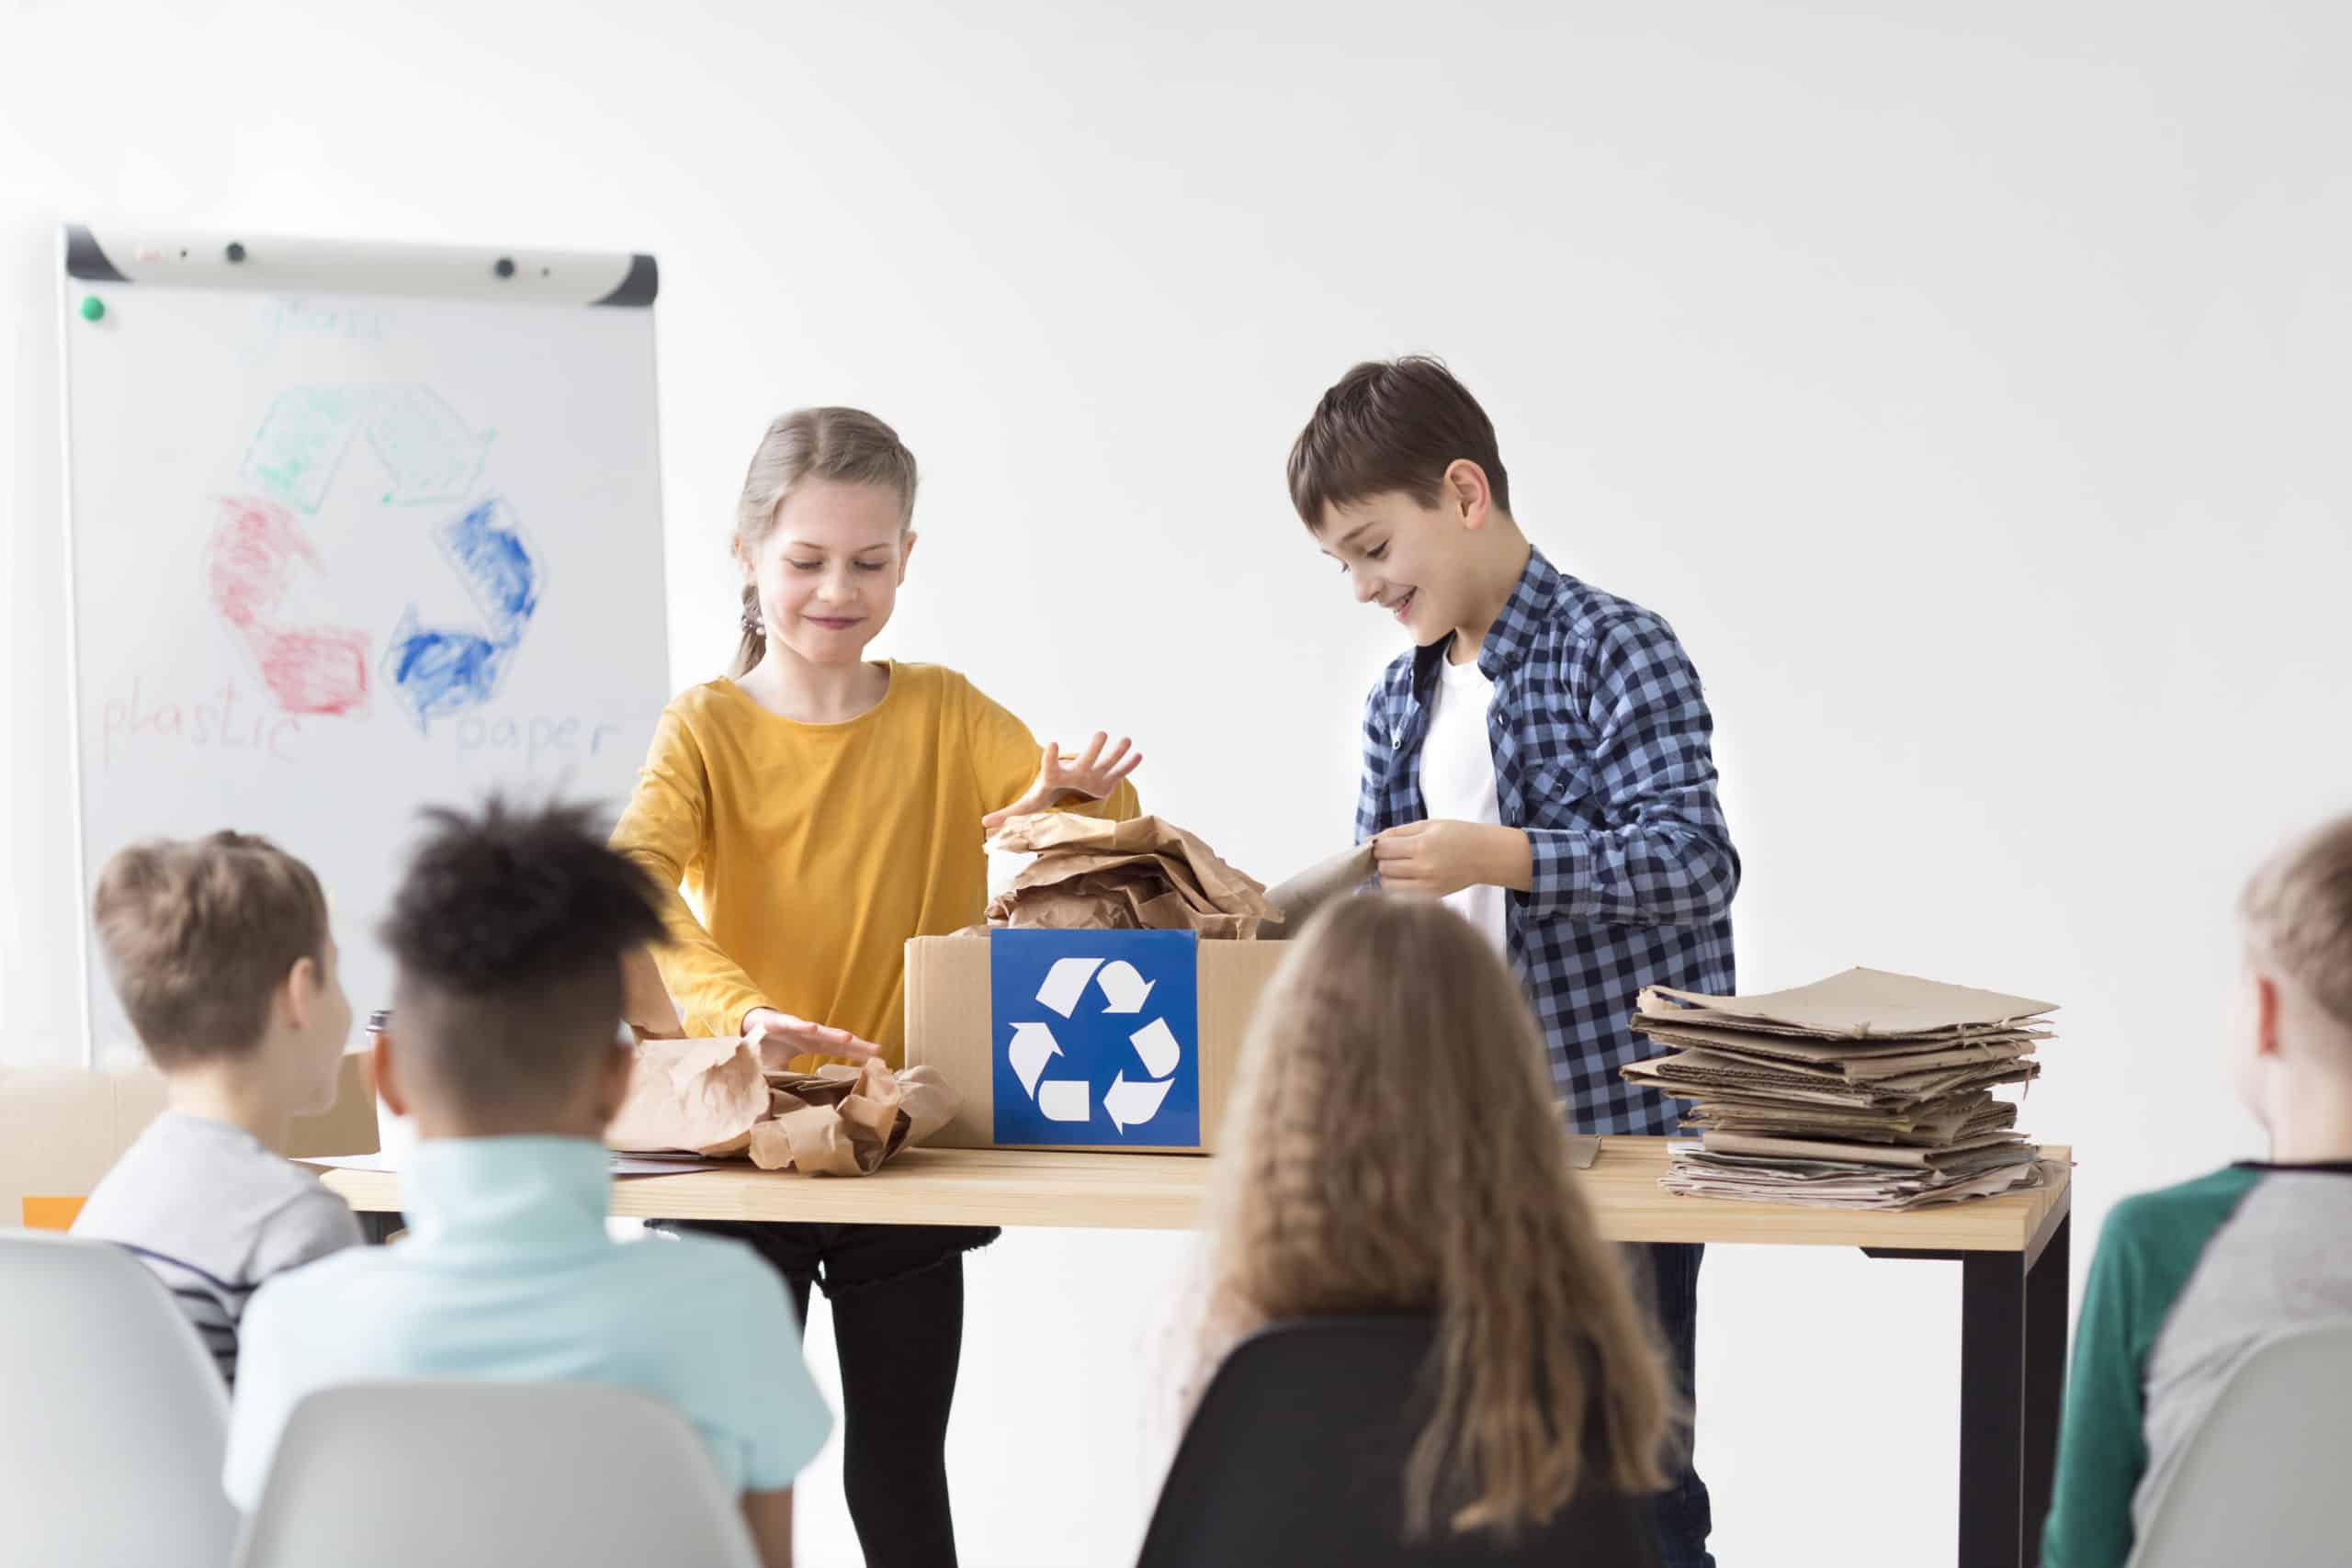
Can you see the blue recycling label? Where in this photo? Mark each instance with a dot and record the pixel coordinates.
(1096, 1037)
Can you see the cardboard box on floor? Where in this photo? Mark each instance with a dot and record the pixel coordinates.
(1117, 1041)
(61, 1128)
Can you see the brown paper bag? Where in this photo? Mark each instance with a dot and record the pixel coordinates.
(1337, 877)
(1123, 876)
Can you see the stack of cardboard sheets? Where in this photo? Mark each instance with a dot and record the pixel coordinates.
(1865, 1090)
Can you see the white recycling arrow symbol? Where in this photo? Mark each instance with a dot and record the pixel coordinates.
(1128, 1101)
(1125, 989)
(1066, 982)
(1033, 1047)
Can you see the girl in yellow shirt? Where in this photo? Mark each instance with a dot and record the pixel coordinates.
(821, 810)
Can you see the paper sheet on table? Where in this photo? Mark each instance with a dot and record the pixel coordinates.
(1930, 1127)
(622, 1165)
(1874, 1058)
(1691, 1172)
(1986, 1150)
(1859, 1004)
(1696, 1075)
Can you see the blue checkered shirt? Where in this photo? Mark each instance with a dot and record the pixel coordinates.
(1603, 757)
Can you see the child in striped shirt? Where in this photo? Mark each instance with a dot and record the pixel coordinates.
(220, 951)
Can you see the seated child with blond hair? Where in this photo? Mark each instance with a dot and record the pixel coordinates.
(218, 950)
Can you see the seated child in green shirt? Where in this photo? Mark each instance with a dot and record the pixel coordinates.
(2190, 1279)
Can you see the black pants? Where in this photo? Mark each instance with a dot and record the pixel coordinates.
(1684, 1515)
(898, 1295)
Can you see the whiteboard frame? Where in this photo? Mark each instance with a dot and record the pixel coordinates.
(126, 257)
(85, 958)
(282, 264)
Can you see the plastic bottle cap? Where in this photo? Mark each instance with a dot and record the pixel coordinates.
(92, 308)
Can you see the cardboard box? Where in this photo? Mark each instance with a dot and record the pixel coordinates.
(1116, 1041)
(63, 1128)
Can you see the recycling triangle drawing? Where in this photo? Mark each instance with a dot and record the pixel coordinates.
(266, 571)
(1096, 1037)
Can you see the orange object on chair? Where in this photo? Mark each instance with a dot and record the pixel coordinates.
(52, 1214)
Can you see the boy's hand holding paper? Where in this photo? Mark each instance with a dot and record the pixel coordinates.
(1435, 859)
(1091, 776)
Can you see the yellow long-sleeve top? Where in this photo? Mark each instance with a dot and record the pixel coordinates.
(815, 850)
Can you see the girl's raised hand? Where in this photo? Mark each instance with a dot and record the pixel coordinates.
(780, 1037)
(1090, 776)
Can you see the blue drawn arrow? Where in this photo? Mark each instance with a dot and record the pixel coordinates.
(434, 673)
(435, 670)
(485, 544)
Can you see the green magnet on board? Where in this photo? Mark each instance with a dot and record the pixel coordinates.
(92, 308)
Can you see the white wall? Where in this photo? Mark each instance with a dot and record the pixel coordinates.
(1967, 390)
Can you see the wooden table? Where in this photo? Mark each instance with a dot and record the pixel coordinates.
(2012, 1253)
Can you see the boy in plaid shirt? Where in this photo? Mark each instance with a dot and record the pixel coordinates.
(1540, 759)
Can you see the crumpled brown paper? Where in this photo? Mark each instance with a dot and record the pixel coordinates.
(1139, 875)
(689, 1094)
(710, 1096)
(845, 1120)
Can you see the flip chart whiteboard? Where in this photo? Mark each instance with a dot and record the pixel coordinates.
(354, 530)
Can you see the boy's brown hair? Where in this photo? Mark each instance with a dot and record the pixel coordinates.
(199, 934)
(2298, 915)
(1392, 424)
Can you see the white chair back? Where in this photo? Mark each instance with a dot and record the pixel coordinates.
(2259, 1482)
(114, 1418)
(492, 1475)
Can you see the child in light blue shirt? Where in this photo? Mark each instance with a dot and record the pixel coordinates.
(508, 930)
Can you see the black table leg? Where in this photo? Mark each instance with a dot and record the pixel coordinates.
(2012, 1381)
(2047, 1283)
(1992, 1410)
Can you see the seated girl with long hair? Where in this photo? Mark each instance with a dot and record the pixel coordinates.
(1393, 1147)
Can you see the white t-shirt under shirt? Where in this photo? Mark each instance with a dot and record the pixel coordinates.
(1458, 778)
